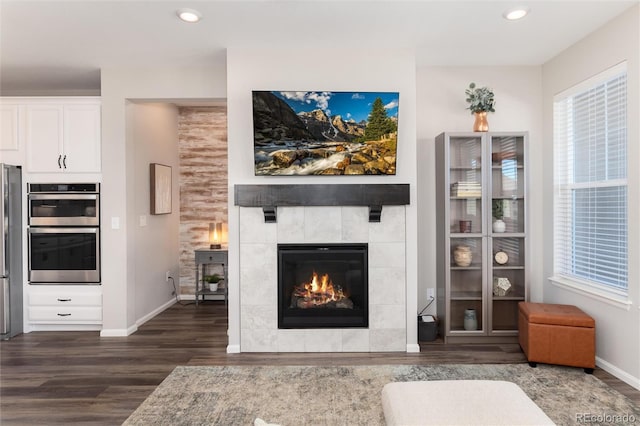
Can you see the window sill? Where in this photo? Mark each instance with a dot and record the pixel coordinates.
(618, 301)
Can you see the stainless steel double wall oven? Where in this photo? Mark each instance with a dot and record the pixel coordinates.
(64, 233)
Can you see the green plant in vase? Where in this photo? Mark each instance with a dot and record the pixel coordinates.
(213, 280)
(481, 100)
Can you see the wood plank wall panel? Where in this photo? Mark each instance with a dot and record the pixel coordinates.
(202, 138)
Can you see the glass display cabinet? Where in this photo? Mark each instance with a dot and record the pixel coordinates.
(481, 235)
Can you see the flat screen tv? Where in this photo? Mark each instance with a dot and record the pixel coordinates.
(325, 133)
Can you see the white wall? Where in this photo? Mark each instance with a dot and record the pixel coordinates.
(318, 69)
(156, 237)
(617, 328)
(118, 194)
(441, 107)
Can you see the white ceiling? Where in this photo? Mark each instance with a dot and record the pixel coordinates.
(55, 45)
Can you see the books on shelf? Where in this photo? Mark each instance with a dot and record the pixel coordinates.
(466, 189)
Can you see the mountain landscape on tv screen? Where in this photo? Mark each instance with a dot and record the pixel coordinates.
(325, 133)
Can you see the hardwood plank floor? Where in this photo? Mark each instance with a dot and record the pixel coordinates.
(51, 378)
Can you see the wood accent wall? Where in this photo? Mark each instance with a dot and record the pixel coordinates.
(202, 139)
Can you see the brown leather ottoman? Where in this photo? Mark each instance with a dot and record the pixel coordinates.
(557, 334)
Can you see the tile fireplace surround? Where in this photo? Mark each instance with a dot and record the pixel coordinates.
(322, 224)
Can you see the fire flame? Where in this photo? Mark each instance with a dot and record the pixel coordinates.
(320, 290)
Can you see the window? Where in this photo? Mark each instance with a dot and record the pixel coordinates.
(590, 183)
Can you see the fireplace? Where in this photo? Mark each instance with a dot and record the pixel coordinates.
(322, 286)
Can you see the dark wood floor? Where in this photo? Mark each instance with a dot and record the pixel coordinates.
(81, 378)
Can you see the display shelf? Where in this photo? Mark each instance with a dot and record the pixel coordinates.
(492, 168)
(466, 295)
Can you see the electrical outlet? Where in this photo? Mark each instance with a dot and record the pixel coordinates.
(167, 275)
(430, 293)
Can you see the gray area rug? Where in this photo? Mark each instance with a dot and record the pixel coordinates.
(350, 395)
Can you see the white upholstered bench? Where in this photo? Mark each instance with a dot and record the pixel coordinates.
(459, 402)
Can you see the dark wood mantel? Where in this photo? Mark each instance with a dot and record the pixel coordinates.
(269, 197)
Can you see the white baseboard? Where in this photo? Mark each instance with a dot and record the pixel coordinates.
(413, 348)
(62, 327)
(620, 374)
(233, 349)
(155, 312)
(118, 332)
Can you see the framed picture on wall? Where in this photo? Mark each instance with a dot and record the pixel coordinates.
(160, 188)
(325, 133)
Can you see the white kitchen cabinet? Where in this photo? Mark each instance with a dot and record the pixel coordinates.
(44, 137)
(12, 146)
(9, 127)
(65, 306)
(63, 136)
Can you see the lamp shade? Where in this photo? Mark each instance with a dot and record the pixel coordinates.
(215, 235)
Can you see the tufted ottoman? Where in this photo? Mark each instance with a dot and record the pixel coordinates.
(459, 402)
(557, 334)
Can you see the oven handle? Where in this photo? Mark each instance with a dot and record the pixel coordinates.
(63, 196)
(63, 230)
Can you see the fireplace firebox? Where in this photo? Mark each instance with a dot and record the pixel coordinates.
(322, 286)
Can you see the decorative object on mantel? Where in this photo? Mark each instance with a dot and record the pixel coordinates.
(481, 101)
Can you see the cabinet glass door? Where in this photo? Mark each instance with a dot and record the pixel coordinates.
(507, 184)
(466, 234)
(466, 288)
(507, 245)
(465, 181)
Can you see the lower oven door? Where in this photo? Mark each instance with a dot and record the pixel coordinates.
(64, 255)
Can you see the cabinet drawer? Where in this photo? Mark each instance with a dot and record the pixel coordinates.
(205, 256)
(64, 299)
(71, 314)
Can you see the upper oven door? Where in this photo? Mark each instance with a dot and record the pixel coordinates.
(64, 209)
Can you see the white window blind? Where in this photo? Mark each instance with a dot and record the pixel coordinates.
(590, 199)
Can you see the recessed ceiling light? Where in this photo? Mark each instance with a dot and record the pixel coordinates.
(516, 13)
(189, 15)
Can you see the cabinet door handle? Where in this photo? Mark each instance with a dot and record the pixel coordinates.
(64, 300)
(64, 161)
(59, 158)
(64, 315)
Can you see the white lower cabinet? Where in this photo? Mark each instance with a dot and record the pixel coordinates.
(65, 305)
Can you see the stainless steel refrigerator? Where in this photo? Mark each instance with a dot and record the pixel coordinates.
(10, 251)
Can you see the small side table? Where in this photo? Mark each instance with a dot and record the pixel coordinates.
(210, 257)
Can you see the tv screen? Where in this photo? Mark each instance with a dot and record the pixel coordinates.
(325, 133)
